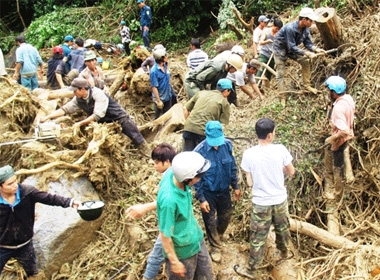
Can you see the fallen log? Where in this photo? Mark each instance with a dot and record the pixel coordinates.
(321, 235)
(62, 93)
(99, 137)
(116, 84)
(60, 164)
(169, 122)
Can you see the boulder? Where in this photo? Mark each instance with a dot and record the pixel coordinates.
(59, 233)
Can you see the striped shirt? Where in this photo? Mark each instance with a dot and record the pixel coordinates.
(195, 58)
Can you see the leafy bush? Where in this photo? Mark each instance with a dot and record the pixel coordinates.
(226, 14)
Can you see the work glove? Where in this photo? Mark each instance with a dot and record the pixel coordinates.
(160, 104)
(310, 54)
(319, 50)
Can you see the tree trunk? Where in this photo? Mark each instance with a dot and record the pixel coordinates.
(329, 27)
(321, 235)
(116, 84)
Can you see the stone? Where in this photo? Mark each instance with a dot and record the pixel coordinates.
(59, 233)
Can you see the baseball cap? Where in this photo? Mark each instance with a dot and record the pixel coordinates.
(214, 133)
(69, 38)
(224, 84)
(57, 49)
(78, 83)
(308, 13)
(140, 1)
(254, 63)
(6, 172)
(122, 22)
(89, 55)
(263, 18)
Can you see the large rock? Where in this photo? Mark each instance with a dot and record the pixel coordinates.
(60, 233)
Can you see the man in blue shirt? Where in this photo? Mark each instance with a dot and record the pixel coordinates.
(160, 82)
(66, 47)
(27, 62)
(145, 21)
(213, 190)
(285, 45)
(69, 41)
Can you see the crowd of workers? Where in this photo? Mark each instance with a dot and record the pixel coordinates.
(206, 161)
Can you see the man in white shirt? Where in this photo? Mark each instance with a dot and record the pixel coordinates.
(263, 22)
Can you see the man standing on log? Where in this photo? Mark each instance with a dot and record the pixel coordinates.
(265, 166)
(101, 108)
(17, 204)
(341, 123)
(286, 44)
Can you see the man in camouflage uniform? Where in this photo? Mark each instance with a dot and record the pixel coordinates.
(265, 166)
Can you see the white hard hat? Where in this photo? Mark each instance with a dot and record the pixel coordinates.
(187, 165)
(159, 53)
(236, 61)
(308, 13)
(238, 50)
(158, 46)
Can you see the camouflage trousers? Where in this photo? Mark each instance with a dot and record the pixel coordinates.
(261, 220)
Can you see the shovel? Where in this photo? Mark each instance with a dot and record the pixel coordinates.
(341, 47)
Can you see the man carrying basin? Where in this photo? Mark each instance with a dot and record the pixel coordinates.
(17, 212)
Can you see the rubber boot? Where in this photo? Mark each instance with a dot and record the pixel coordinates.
(349, 175)
(144, 149)
(339, 182)
(306, 74)
(280, 73)
(328, 175)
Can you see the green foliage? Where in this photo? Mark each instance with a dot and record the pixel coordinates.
(226, 37)
(173, 27)
(7, 39)
(49, 30)
(134, 25)
(226, 14)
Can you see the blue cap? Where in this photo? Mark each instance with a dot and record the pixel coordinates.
(6, 172)
(140, 1)
(122, 22)
(337, 84)
(69, 38)
(214, 133)
(224, 84)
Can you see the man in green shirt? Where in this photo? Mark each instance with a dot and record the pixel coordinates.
(185, 252)
(206, 105)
